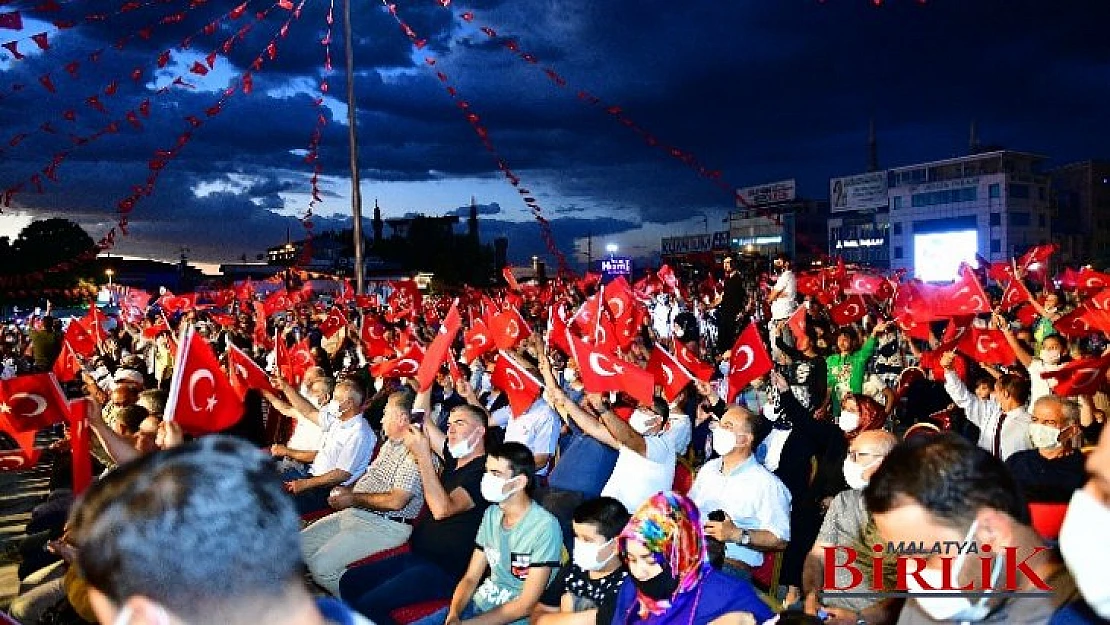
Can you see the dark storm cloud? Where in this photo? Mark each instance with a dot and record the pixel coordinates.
(483, 209)
(760, 90)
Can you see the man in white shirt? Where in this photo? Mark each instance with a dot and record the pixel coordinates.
(306, 435)
(784, 301)
(345, 449)
(1003, 421)
(537, 429)
(755, 502)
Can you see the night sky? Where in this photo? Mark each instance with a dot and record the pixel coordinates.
(761, 90)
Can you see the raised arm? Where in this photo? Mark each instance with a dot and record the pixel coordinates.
(297, 405)
(1023, 355)
(440, 503)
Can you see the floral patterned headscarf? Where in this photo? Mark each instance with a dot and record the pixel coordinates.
(669, 526)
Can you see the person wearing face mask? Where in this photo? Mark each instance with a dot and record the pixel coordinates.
(670, 580)
(756, 503)
(442, 545)
(1003, 421)
(847, 523)
(1053, 469)
(1083, 538)
(585, 592)
(518, 542)
(345, 449)
(375, 514)
(847, 367)
(645, 456)
(1053, 355)
(306, 435)
(944, 489)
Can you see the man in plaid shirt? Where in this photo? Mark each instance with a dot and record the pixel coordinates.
(377, 513)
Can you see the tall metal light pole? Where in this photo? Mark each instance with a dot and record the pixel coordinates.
(352, 136)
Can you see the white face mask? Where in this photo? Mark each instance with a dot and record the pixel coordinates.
(587, 555)
(853, 473)
(1050, 356)
(1044, 436)
(641, 421)
(849, 420)
(570, 375)
(723, 367)
(493, 488)
(1084, 529)
(379, 383)
(487, 380)
(951, 608)
(332, 408)
(724, 441)
(462, 448)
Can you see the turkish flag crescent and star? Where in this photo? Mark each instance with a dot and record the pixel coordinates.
(79, 443)
(201, 398)
(605, 372)
(668, 373)
(520, 386)
(748, 360)
(29, 403)
(245, 374)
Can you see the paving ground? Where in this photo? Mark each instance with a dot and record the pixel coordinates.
(20, 491)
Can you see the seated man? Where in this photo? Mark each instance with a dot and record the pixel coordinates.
(441, 545)
(587, 588)
(197, 535)
(306, 435)
(945, 490)
(756, 504)
(345, 450)
(377, 514)
(1054, 469)
(518, 542)
(847, 524)
(537, 428)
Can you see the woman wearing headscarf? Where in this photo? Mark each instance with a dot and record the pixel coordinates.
(671, 581)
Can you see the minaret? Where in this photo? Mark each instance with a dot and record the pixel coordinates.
(377, 222)
(973, 140)
(472, 223)
(872, 149)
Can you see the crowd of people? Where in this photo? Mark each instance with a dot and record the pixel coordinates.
(529, 478)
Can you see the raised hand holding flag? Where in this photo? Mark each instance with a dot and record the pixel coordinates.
(748, 360)
(201, 398)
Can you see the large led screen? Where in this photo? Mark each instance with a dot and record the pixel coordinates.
(937, 256)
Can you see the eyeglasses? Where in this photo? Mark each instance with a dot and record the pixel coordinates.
(856, 455)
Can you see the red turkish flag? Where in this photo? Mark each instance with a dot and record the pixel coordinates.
(11, 20)
(964, 297)
(668, 372)
(94, 323)
(666, 274)
(79, 339)
(299, 360)
(586, 319)
(1015, 295)
(244, 291)
(222, 298)
(138, 298)
(404, 366)
(277, 301)
(865, 284)
(201, 398)
(688, 359)
(29, 403)
(366, 301)
(1091, 281)
(478, 340)
(1069, 280)
(850, 310)
(81, 466)
(245, 374)
(171, 303)
(374, 343)
(623, 310)
(67, 367)
(152, 331)
(1080, 377)
(1036, 259)
(439, 350)
(1075, 324)
(520, 386)
(1001, 272)
(797, 325)
(987, 346)
(748, 360)
(603, 372)
(956, 328)
(557, 328)
(335, 322)
(914, 329)
(1101, 300)
(406, 294)
(23, 458)
(508, 328)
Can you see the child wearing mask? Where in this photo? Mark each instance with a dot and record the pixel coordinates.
(585, 592)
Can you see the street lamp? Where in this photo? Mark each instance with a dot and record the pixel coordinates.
(109, 273)
(611, 248)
